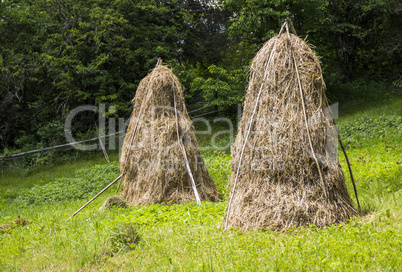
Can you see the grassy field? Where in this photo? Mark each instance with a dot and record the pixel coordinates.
(189, 237)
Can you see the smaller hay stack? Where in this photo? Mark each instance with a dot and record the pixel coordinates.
(152, 159)
(113, 201)
(289, 174)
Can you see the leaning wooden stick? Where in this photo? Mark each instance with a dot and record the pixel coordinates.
(323, 183)
(291, 26)
(104, 150)
(348, 163)
(101, 192)
(197, 197)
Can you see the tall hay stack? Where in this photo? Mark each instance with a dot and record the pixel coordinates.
(155, 171)
(281, 182)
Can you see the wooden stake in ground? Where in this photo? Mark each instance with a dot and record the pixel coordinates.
(349, 167)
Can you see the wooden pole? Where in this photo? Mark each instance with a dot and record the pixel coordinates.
(57, 146)
(207, 113)
(291, 26)
(104, 150)
(348, 163)
(323, 183)
(101, 192)
(197, 197)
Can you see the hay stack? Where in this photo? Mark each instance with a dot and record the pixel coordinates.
(279, 184)
(156, 171)
(113, 201)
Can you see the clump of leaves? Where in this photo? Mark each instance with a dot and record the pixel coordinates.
(123, 237)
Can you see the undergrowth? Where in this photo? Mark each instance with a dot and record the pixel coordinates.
(85, 184)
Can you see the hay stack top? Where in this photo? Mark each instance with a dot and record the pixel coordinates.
(165, 83)
(285, 167)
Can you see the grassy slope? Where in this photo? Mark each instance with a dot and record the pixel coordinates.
(189, 237)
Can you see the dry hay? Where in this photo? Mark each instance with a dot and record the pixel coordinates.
(113, 201)
(279, 185)
(156, 170)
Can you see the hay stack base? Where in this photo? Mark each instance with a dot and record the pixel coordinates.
(156, 166)
(287, 178)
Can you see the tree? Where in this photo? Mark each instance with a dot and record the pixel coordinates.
(252, 22)
(361, 38)
(68, 53)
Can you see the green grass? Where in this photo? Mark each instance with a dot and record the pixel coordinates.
(189, 237)
(13, 179)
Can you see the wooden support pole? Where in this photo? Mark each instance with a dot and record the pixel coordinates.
(197, 197)
(101, 192)
(104, 150)
(348, 163)
(323, 183)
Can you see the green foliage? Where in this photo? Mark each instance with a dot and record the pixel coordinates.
(57, 55)
(189, 213)
(257, 21)
(354, 39)
(84, 185)
(384, 182)
(365, 128)
(361, 38)
(398, 83)
(177, 239)
(362, 90)
(17, 178)
(221, 87)
(219, 168)
(372, 139)
(69, 53)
